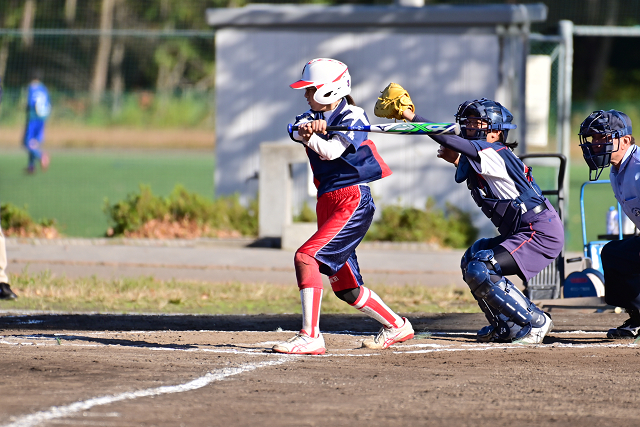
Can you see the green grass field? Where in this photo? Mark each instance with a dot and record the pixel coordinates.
(45, 291)
(74, 188)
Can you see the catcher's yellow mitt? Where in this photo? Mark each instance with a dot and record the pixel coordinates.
(393, 101)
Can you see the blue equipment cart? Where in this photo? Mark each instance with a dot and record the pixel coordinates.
(590, 281)
(547, 283)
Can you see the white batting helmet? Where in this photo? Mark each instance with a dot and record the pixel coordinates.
(329, 76)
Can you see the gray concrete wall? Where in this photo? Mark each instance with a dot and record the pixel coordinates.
(254, 102)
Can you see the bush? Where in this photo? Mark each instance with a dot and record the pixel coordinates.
(182, 214)
(17, 222)
(306, 214)
(451, 228)
(188, 215)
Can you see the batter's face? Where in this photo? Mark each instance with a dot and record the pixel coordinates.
(316, 106)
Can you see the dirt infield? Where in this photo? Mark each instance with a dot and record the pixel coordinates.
(136, 370)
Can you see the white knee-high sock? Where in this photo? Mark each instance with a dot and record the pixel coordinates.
(372, 305)
(311, 299)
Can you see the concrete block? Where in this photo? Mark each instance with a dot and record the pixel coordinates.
(295, 234)
(275, 186)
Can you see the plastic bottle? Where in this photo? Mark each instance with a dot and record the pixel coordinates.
(612, 221)
(628, 227)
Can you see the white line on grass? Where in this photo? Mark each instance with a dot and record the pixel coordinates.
(64, 411)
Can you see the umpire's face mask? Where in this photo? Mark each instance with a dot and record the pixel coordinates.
(596, 150)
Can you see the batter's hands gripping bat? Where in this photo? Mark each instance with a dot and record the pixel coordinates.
(400, 128)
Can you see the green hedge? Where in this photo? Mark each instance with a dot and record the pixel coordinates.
(451, 227)
(221, 214)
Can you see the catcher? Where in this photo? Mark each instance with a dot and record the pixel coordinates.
(531, 234)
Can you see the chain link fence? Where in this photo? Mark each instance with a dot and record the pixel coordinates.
(143, 116)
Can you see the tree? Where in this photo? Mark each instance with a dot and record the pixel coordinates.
(101, 65)
(11, 14)
(28, 14)
(70, 11)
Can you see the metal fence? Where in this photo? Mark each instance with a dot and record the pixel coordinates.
(145, 116)
(153, 69)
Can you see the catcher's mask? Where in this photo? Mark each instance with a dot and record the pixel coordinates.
(330, 77)
(597, 135)
(480, 115)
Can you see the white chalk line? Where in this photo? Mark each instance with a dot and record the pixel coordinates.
(485, 347)
(260, 349)
(64, 411)
(247, 352)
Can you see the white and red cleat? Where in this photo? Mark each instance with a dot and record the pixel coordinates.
(302, 344)
(389, 336)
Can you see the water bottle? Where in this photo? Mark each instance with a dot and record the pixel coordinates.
(612, 221)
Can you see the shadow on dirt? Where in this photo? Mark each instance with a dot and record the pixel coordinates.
(108, 341)
(446, 322)
(422, 322)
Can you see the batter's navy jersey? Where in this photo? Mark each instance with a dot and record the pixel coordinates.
(360, 163)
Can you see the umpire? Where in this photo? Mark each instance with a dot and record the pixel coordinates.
(5, 290)
(606, 139)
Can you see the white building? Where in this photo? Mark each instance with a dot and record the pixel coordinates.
(442, 54)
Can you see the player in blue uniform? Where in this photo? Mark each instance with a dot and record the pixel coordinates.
(38, 110)
(342, 163)
(531, 233)
(606, 139)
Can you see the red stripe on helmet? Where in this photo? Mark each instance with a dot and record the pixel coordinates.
(340, 76)
(301, 84)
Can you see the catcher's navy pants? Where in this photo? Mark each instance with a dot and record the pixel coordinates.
(621, 265)
(344, 216)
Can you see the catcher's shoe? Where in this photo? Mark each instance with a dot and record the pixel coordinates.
(629, 329)
(505, 332)
(389, 336)
(301, 344)
(537, 334)
(6, 292)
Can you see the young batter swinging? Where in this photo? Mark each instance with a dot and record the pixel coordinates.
(342, 163)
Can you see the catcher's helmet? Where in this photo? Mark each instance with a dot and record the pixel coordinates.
(597, 134)
(329, 76)
(491, 113)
